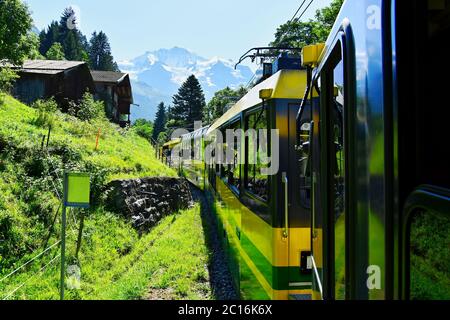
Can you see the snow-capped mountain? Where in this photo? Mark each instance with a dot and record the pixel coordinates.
(157, 75)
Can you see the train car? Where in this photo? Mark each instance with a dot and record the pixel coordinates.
(264, 225)
(169, 153)
(192, 157)
(376, 143)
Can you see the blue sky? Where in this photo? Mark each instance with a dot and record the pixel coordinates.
(209, 28)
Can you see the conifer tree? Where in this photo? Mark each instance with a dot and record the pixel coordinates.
(160, 121)
(100, 55)
(49, 37)
(188, 104)
(73, 41)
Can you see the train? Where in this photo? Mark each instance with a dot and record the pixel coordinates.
(362, 155)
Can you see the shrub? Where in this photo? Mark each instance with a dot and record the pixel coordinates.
(46, 110)
(88, 109)
(7, 79)
(144, 128)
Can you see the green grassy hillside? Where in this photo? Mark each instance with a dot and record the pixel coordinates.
(30, 182)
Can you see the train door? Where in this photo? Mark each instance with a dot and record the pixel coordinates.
(298, 216)
(328, 149)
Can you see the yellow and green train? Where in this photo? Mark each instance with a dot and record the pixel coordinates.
(267, 242)
(359, 206)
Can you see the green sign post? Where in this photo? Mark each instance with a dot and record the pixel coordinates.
(77, 194)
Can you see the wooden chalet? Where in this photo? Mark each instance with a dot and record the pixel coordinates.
(42, 79)
(114, 88)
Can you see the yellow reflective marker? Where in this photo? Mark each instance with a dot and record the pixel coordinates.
(77, 194)
(77, 190)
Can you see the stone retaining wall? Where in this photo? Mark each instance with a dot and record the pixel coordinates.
(146, 201)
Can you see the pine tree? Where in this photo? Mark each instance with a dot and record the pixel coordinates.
(188, 104)
(100, 55)
(49, 37)
(160, 121)
(73, 41)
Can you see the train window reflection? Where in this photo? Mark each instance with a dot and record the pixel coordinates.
(304, 140)
(339, 179)
(257, 150)
(429, 257)
(234, 173)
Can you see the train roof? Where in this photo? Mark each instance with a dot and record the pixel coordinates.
(195, 134)
(285, 84)
(172, 143)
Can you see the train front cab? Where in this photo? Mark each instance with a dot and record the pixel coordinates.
(169, 154)
(378, 153)
(192, 157)
(265, 228)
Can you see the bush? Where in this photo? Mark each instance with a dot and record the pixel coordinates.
(88, 109)
(144, 128)
(46, 110)
(7, 79)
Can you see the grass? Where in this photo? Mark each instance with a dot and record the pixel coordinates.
(172, 263)
(124, 154)
(118, 265)
(116, 262)
(430, 257)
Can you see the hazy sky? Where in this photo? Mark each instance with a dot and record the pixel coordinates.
(209, 28)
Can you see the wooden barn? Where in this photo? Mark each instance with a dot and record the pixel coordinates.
(114, 88)
(42, 79)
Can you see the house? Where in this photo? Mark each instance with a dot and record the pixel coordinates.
(42, 79)
(114, 88)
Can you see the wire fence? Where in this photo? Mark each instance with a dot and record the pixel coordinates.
(40, 272)
(56, 184)
(29, 261)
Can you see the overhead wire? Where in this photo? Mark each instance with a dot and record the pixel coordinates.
(304, 11)
(296, 12)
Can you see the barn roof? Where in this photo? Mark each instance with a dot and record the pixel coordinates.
(108, 76)
(48, 66)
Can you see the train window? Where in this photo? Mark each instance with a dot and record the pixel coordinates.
(234, 168)
(257, 150)
(304, 140)
(337, 132)
(332, 113)
(429, 257)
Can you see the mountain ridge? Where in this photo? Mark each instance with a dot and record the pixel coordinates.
(157, 75)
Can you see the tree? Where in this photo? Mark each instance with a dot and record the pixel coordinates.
(74, 42)
(100, 55)
(49, 37)
(31, 46)
(295, 34)
(72, 48)
(56, 52)
(160, 121)
(298, 34)
(326, 18)
(216, 107)
(188, 104)
(15, 25)
(65, 32)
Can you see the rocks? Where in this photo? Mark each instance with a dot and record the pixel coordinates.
(146, 201)
(219, 275)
